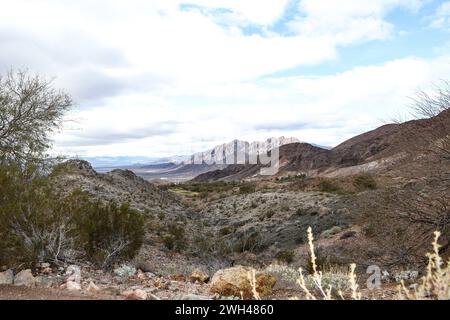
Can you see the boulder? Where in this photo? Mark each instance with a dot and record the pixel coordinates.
(7, 277)
(74, 274)
(198, 276)
(236, 280)
(331, 232)
(44, 282)
(324, 211)
(92, 287)
(178, 277)
(25, 278)
(73, 286)
(137, 294)
(145, 266)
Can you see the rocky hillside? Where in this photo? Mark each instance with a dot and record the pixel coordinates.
(117, 185)
(229, 150)
(372, 151)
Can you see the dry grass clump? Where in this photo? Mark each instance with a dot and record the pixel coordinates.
(436, 283)
(324, 284)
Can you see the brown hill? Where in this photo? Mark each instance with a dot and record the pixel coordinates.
(369, 151)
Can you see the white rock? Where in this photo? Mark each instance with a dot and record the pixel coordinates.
(25, 278)
(7, 277)
(72, 286)
(74, 274)
(137, 294)
(92, 287)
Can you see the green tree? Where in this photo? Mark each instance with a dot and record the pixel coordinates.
(30, 109)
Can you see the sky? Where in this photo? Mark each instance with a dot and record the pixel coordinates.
(154, 78)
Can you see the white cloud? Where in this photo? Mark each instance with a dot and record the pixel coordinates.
(441, 18)
(154, 79)
(349, 21)
(259, 12)
(324, 110)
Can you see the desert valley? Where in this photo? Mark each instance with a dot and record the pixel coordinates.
(199, 154)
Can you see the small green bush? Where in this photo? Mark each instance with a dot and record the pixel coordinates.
(286, 256)
(247, 188)
(326, 185)
(364, 181)
(175, 239)
(39, 224)
(110, 233)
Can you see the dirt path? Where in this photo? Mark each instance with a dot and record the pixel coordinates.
(24, 293)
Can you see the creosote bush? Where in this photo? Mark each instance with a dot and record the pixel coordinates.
(39, 224)
(110, 233)
(364, 181)
(175, 239)
(326, 185)
(286, 256)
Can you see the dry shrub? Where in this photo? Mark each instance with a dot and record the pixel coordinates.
(436, 283)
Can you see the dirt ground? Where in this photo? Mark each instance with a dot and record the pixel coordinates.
(24, 293)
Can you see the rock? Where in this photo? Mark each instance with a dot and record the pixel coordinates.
(145, 266)
(125, 271)
(141, 275)
(192, 297)
(348, 235)
(74, 274)
(343, 211)
(7, 277)
(178, 277)
(25, 278)
(72, 286)
(198, 276)
(137, 294)
(234, 281)
(44, 282)
(323, 211)
(45, 265)
(251, 257)
(92, 287)
(331, 232)
(46, 271)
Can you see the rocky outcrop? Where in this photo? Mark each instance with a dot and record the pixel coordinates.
(239, 150)
(237, 280)
(7, 277)
(374, 150)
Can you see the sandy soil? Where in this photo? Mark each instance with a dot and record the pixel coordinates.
(24, 293)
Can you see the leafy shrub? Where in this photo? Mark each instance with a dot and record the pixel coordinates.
(284, 273)
(110, 233)
(36, 224)
(326, 185)
(286, 256)
(41, 225)
(249, 241)
(364, 181)
(336, 281)
(247, 188)
(175, 239)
